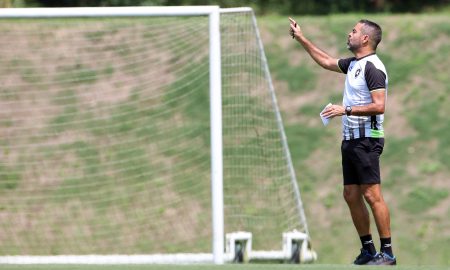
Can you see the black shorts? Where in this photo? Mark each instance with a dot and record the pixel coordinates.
(361, 160)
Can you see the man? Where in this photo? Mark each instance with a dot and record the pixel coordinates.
(363, 136)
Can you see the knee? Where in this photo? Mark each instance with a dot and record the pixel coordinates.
(350, 196)
(372, 198)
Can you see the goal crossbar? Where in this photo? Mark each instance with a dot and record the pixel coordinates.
(107, 12)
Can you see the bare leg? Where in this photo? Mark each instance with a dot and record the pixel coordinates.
(372, 194)
(358, 210)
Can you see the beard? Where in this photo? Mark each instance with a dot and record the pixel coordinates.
(352, 46)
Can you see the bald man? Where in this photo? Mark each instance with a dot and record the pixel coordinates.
(362, 113)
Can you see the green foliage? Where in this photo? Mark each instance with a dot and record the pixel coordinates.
(330, 200)
(87, 167)
(303, 140)
(132, 163)
(124, 118)
(438, 30)
(64, 120)
(108, 70)
(397, 149)
(444, 151)
(68, 102)
(423, 198)
(432, 123)
(9, 177)
(9, 94)
(76, 74)
(299, 78)
(398, 174)
(30, 75)
(430, 167)
(308, 110)
(96, 36)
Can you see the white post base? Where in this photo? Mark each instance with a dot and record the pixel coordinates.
(296, 246)
(239, 246)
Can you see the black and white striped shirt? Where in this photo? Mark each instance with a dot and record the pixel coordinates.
(364, 75)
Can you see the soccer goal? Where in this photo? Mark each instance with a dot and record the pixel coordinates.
(142, 135)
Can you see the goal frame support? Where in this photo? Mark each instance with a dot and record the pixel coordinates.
(215, 86)
(217, 256)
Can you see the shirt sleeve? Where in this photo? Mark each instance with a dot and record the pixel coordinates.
(375, 78)
(345, 63)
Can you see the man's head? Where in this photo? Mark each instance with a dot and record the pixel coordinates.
(365, 34)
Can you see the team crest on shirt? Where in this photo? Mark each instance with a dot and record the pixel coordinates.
(357, 72)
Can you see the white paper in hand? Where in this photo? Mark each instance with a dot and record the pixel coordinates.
(325, 120)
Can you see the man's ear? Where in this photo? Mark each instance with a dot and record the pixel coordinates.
(366, 39)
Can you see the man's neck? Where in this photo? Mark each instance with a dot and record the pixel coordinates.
(362, 53)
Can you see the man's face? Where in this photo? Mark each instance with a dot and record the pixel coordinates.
(355, 38)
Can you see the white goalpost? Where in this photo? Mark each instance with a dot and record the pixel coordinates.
(138, 135)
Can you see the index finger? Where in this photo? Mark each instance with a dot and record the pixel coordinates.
(292, 21)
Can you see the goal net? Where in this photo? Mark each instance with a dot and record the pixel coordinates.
(106, 141)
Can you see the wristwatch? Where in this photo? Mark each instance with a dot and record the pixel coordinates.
(348, 110)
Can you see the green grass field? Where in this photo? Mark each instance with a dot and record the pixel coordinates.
(214, 267)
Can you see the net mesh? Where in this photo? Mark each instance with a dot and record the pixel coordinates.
(105, 141)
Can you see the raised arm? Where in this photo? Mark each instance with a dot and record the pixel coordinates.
(321, 57)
